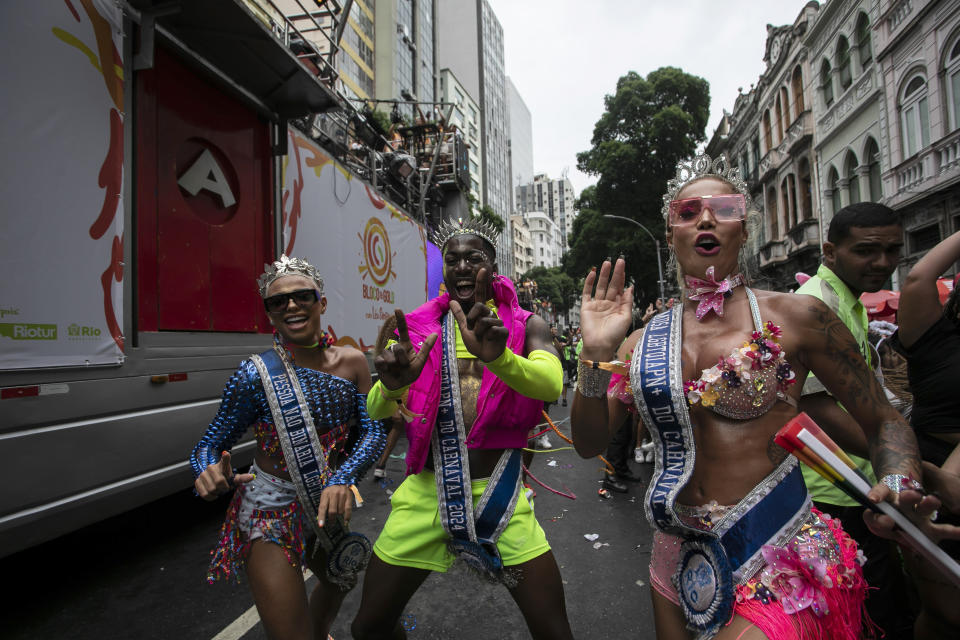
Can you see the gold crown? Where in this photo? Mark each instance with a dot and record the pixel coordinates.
(473, 226)
(286, 266)
(701, 167)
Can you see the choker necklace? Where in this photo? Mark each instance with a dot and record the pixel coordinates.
(324, 340)
(709, 293)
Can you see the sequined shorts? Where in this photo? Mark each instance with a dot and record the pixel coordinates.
(830, 603)
(265, 508)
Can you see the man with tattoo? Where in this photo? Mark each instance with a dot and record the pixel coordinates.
(862, 250)
(470, 370)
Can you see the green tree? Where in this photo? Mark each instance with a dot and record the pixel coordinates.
(487, 214)
(554, 286)
(648, 125)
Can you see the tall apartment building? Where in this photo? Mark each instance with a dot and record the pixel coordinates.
(553, 197)
(520, 143)
(470, 44)
(406, 52)
(545, 239)
(522, 245)
(466, 117)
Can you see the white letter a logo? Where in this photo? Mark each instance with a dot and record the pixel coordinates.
(205, 173)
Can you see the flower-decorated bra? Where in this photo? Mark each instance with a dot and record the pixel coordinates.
(748, 382)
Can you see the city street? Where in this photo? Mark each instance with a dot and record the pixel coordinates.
(142, 574)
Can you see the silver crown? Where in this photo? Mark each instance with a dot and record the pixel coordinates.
(472, 226)
(701, 167)
(286, 266)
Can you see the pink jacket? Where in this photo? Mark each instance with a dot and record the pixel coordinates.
(504, 417)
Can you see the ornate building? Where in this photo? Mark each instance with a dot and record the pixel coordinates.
(791, 225)
(917, 45)
(846, 107)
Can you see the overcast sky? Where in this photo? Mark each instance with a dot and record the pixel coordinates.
(564, 56)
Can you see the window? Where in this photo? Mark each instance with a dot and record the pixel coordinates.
(914, 116)
(850, 172)
(834, 182)
(785, 101)
(806, 200)
(826, 83)
(872, 158)
(952, 76)
(772, 213)
(863, 39)
(767, 136)
(797, 87)
(843, 63)
(778, 108)
(920, 240)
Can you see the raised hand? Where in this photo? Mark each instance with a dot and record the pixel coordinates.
(401, 364)
(218, 478)
(605, 314)
(483, 333)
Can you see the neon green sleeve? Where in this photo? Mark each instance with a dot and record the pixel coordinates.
(538, 376)
(382, 402)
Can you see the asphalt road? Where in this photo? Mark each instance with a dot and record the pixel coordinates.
(142, 574)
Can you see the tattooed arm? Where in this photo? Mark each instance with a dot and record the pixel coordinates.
(831, 352)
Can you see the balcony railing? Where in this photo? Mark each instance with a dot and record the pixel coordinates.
(773, 252)
(910, 174)
(947, 152)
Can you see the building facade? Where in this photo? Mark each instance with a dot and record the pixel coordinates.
(520, 142)
(917, 49)
(466, 117)
(470, 44)
(847, 103)
(790, 223)
(522, 245)
(553, 197)
(545, 239)
(405, 53)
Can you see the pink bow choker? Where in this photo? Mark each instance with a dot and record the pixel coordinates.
(710, 293)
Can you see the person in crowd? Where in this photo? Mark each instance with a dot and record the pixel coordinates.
(739, 552)
(395, 422)
(861, 252)
(305, 399)
(929, 337)
(472, 370)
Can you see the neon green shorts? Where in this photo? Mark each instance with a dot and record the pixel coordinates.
(414, 537)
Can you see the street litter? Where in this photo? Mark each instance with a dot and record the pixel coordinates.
(641, 583)
(552, 463)
(597, 545)
(591, 536)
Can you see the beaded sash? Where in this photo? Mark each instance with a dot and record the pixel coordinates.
(711, 562)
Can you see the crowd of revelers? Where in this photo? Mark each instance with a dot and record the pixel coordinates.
(748, 543)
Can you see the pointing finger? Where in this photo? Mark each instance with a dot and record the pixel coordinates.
(244, 478)
(480, 289)
(225, 467)
(402, 330)
(458, 315)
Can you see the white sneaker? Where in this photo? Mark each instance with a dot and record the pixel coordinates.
(544, 442)
(379, 473)
(638, 454)
(647, 445)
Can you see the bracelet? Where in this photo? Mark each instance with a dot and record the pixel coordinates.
(898, 482)
(400, 399)
(592, 379)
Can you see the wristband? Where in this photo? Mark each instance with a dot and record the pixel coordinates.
(592, 379)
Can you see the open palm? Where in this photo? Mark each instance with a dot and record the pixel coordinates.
(605, 315)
